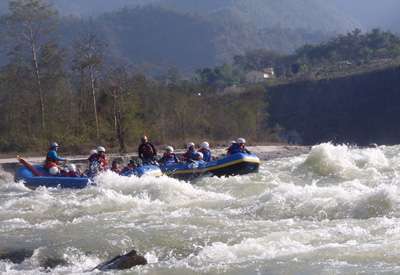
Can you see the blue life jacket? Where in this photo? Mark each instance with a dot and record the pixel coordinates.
(236, 148)
(52, 156)
(206, 154)
(190, 155)
(169, 158)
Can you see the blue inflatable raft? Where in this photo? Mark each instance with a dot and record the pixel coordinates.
(144, 170)
(237, 164)
(32, 181)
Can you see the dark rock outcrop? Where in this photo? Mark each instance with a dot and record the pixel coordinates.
(359, 109)
(121, 262)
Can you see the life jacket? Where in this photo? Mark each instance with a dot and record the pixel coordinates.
(229, 150)
(70, 174)
(49, 164)
(236, 148)
(147, 150)
(102, 160)
(169, 158)
(189, 155)
(93, 157)
(206, 154)
(128, 169)
(50, 160)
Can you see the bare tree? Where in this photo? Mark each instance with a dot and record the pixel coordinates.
(29, 27)
(89, 58)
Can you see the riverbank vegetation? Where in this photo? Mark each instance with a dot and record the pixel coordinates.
(79, 99)
(346, 54)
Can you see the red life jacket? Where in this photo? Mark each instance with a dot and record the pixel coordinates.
(103, 162)
(70, 174)
(101, 159)
(49, 164)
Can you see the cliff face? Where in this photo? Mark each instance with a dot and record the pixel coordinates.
(359, 109)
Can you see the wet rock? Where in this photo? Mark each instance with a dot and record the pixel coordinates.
(50, 263)
(16, 256)
(126, 261)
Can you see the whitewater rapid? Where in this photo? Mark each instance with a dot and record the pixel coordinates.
(334, 210)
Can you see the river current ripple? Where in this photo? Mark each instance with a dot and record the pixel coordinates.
(334, 210)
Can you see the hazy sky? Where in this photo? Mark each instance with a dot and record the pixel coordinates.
(373, 13)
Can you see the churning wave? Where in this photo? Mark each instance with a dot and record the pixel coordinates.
(334, 207)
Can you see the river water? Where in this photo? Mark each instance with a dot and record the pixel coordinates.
(335, 210)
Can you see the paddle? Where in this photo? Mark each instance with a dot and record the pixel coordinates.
(29, 166)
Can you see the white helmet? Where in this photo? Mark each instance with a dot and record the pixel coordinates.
(71, 167)
(233, 141)
(54, 171)
(190, 144)
(205, 145)
(199, 155)
(101, 149)
(92, 152)
(54, 145)
(241, 141)
(169, 149)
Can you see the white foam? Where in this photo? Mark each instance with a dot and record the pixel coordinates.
(338, 202)
(248, 250)
(346, 162)
(349, 200)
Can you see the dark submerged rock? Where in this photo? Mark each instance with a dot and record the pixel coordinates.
(16, 256)
(121, 262)
(50, 263)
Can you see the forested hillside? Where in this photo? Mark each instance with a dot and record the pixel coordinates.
(149, 37)
(191, 34)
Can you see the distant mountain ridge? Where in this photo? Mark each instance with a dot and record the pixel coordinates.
(308, 14)
(191, 34)
(335, 15)
(316, 15)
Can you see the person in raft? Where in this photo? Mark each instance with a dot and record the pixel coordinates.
(238, 147)
(169, 156)
(52, 160)
(189, 156)
(198, 157)
(130, 167)
(71, 171)
(228, 151)
(99, 159)
(115, 166)
(146, 151)
(205, 150)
